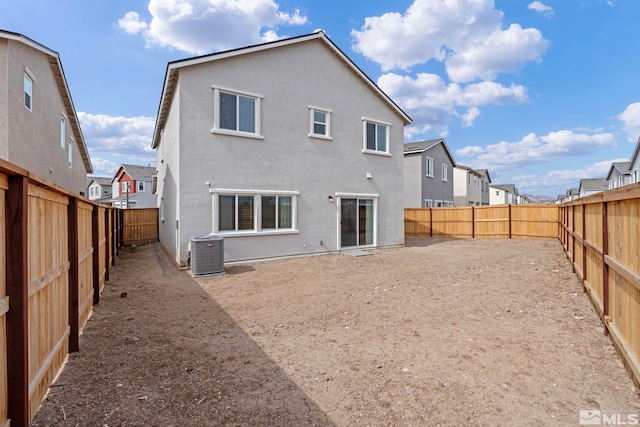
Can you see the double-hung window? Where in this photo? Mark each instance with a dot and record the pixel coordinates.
(28, 91)
(236, 113)
(140, 185)
(320, 123)
(126, 186)
(376, 137)
(246, 212)
(445, 170)
(429, 167)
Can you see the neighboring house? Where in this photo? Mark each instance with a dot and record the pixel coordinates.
(619, 175)
(572, 194)
(285, 148)
(131, 187)
(40, 129)
(428, 174)
(589, 186)
(503, 194)
(470, 187)
(99, 190)
(634, 164)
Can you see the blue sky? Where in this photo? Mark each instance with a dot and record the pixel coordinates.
(541, 93)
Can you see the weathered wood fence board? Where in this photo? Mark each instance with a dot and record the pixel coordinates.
(601, 236)
(487, 222)
(140, 226)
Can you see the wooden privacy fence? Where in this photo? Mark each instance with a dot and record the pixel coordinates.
(601, 236)
(55, 253)
(486, 222)
(140, 226)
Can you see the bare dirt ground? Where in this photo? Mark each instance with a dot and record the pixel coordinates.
(441, 332)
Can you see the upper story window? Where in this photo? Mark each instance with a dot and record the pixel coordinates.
(376, 137)
(28, 91)
(429, 167)
(320, 122)
(140, 186)
(236, 113)
(126, 187)
(63, 128)
(70, 152)
(445, 171)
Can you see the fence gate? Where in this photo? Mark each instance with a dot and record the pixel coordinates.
(140, 226)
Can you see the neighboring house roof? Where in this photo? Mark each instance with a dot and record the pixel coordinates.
(509, 188)
(573, 192)
(61, 81)
(469, 170)
(621, 167)
(594, 184)
(171, 75)
(136, 172)
(422, 146)
(99, 180)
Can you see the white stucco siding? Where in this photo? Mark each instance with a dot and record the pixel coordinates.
(289, 79)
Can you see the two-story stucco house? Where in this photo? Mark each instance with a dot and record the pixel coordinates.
(470, 187)
(99, 190)
(285, 148)
(503, 194)
(40, 129)
(428, 174)
(619, 175)
(131, 187)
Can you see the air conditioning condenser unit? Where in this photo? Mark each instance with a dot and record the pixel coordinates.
(207, 255)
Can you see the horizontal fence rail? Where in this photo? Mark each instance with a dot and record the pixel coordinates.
(486, 222)
(601, 237)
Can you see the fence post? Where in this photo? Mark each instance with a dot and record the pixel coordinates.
(17, 255)
(72, 241)
(107, 244)
(509, 220)
(573, 241)
(114, 245)
(584, 244)
(605, 267)
(95, 242)
(473, 223)
(430, 222)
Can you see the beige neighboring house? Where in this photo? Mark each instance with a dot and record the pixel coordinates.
(285, 148)
(503, 194)
(470, 187)
(40, 129)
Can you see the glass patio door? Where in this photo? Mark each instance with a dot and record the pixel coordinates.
(356, 222)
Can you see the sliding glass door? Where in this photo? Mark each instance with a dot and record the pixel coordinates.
(356, 222)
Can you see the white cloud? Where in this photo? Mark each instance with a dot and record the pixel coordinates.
(542, 8)
(104, 167)
(533, 149)
(630, 118)
(466, 34)
(432, 103)
(559, 181)
(127, 138)
(205, 26)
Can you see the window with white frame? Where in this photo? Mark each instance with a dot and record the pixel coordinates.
(126, 186)
(445, 171)
(63, 129)
(376, 137)
(140, 186)
(429, 167)
(636, 175)
(70, 152)
(248, 212)
(28, 92)
(320, 123)
(236, 113)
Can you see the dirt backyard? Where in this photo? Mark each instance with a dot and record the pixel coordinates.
(441, 332)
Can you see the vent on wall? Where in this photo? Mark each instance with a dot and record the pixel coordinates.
(207, 255)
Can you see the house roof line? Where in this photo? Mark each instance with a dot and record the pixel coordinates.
(422, 146)
(636, 152)
(65, 94)
(168, 88)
